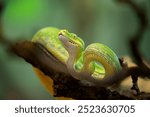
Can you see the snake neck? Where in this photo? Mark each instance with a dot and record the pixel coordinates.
(74, 56)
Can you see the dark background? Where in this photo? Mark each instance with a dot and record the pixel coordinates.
(103, 21)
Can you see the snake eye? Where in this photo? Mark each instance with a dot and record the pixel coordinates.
(74, 35)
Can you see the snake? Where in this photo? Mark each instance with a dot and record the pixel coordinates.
(94, 64)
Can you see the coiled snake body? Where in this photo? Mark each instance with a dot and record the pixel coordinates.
(94, 64)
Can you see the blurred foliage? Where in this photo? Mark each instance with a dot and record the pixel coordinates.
(104, 21)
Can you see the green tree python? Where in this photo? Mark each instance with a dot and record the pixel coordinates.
(93, 64)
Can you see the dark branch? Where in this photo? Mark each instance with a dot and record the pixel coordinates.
(64, 84)
(137, 38)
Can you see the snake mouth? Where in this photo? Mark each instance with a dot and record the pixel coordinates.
(70, 39)
(65, 39)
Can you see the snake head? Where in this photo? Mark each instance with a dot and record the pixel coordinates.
(71, 40)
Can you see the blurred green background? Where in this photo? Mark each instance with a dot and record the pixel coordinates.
(104, 21)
